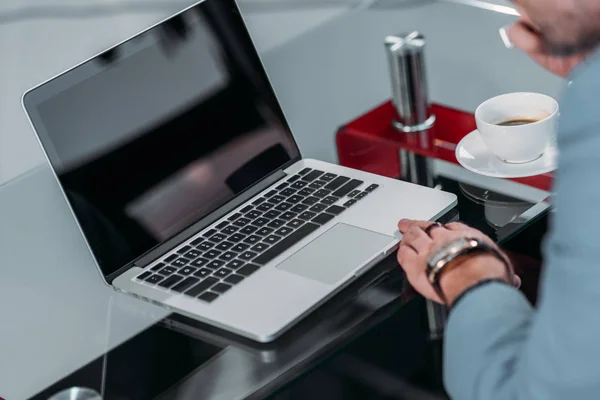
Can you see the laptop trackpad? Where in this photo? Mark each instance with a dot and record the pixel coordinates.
(336, 253)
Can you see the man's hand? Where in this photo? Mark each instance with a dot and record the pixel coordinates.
(416, 248)
(524, 36)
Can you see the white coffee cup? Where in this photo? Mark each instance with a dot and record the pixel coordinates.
(518, 143)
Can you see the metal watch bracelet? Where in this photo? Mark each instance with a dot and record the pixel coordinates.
(445, 257)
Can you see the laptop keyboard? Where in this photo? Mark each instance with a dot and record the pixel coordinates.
(229, 252)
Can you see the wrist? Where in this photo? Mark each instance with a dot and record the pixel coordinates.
(469, 273)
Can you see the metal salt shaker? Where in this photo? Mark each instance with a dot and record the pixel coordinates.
(406, 59)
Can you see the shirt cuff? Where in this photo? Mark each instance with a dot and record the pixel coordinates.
(473, 288)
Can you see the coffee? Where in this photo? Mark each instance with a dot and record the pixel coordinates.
(518, 121)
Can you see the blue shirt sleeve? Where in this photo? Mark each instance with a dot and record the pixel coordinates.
(497, 346)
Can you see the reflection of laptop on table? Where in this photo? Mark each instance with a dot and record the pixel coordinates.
(188, 186)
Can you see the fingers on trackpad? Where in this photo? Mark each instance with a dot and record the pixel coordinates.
(336, 253)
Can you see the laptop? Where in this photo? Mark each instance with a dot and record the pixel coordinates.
(175, 157)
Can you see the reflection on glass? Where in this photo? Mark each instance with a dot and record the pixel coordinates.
(154, 134)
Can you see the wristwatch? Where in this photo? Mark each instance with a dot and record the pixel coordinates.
(446, 258)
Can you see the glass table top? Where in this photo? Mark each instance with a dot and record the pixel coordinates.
(328, 71)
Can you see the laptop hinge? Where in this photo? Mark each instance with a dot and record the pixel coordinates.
(175, 241)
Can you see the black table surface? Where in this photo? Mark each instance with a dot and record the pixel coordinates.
(179, 358)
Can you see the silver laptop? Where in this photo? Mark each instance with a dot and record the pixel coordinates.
(180, 168)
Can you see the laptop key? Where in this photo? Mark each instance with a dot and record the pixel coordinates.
(293, 178)
(212, 254)
(209, 233)
(260, 221)
(228, 256)
(329, 177)
(200, 262)
(180, 262)
(158, 267)
(265, 231)
(170, 281)
(230, 230)
(299, 184)
(347, 188)
(252, 239)
(258, 201)
(223, 273)
(154, 278)
(295, 199)
(248, 230)
(298, 208)
(335, 210)
(187, 271)
(248, 270)
(337, 183)
(282, 186)
(235, 264)
(272, 214)
(205, 246)
(260, 247)
(304, 171)
(270, 193)
(329, 200)
(276, 199)
(312, 176)
(242, 222)
(323, 218)
(371, 188)
(219, 237)
(234, 217)
(215, 264)
(197, 241)
(284, 231)
(288, 216)
(306, 192)
(208, 297)
(222, 225)
(309, 201)
(247, 256)
(144, 275)
(185, 284)
(350, 202)
(246, 209)
(234, 279)
(322, 193)
(353, 193)
(307, 215)
(203, 273)
(284, 207)
(240, 247)
(253, 214)
(276, 223)
(317, 184)
(318, 207)
(202, 286)
(184, 250)
(361, 195)
(272, 239)
(221, 288)
(287, 192)
(192, 254)
(167, 270)
(297, 223)
(238, 237)
(224, 246)
(265, 207)
(286, 243)
(172, 257)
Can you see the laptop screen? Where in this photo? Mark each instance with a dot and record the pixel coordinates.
(161, 130)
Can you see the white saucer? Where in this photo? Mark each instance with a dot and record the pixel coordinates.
(473, 154)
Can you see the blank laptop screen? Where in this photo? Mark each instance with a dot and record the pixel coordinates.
(159, 131)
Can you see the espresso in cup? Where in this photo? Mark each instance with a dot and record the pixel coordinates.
(518, 127)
